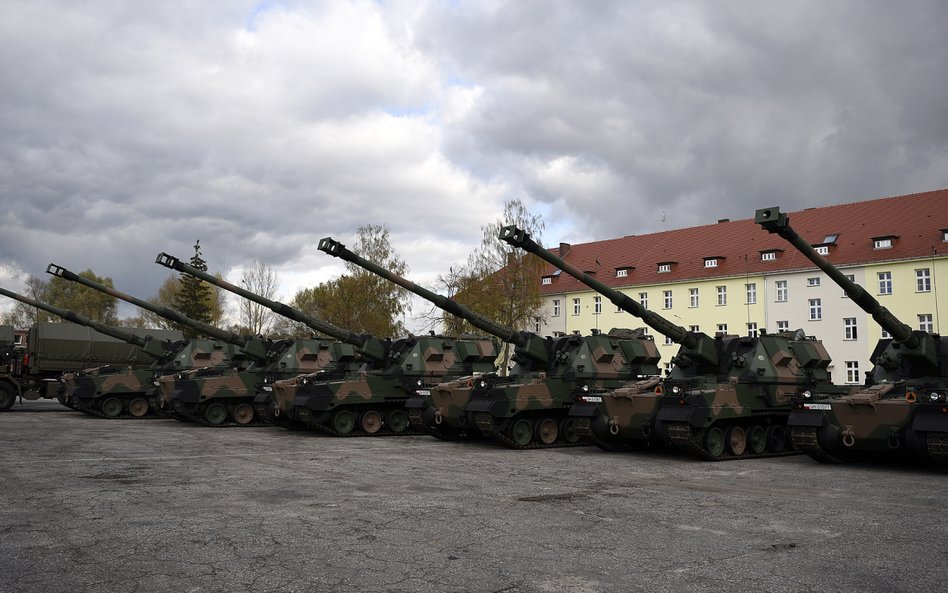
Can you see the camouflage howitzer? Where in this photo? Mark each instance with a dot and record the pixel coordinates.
(189, 404)
(725, 397)
(109, 389)
(329, 359)
(902, 409)
(529, 408)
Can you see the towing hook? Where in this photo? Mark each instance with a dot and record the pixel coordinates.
(849, 439)
(613, 426)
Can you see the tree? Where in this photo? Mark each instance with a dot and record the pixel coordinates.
(68, 295)
(498, 281)
(22, 316)
(260, 279)
(359, 300)
(166, 296)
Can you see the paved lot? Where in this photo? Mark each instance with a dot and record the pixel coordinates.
(152, 506)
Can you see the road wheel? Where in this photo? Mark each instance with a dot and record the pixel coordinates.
(776, 438)
(547, 431)
(736, 439)
(215, 414)
(397, 421)
(243, 414)
(138, 407)
(714, 441)
(343, 421)
(568, 430)
(111, 407)
(757, 439)
(7, 397)
(521, 432)
(371, 422)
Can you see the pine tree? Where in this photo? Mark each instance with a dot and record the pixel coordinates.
(194, 295)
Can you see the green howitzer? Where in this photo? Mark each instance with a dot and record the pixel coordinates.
(901, 409)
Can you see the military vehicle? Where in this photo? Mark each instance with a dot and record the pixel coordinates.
(902, 409)
(725, 397)
(188, 403)
(109, 389)
(529, 408)
(56, 352)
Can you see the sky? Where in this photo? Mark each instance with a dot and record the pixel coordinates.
(259, 127)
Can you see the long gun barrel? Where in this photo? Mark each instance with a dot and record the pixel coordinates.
(148, 344)
(775, 221)
(251, 346)
(368, 345)
(521, 340)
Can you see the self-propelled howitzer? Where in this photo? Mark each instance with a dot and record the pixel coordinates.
(529, 408)
(901, 409)
(725, 397)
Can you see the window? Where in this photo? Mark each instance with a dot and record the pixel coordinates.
(643, 299)
(722, 295)
(667, 294)
(693, 328)
(575, 306)
(852, 371)
(622, 272)
(885, 243)
(849, 328)
(823, 250)
(722, 328)
(752, 330)
(768, 255)
(783, 326)
(547, 280)
(944, 235)
(781, 291)
(597, 305)
(815, 281)
(852, 279)
(751, 292)
(694, 297)
(925, 323)
(556, 307)
(885, 282)
(662, 268)
(18, 340)
(923, 280)
(711, 262)
(536, 325)
(668, 341)
(816, 310)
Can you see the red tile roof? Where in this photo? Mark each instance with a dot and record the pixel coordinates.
(918, 220)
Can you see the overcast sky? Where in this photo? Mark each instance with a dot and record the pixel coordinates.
(129, 128)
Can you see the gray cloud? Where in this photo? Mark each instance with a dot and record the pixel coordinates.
(260, 127)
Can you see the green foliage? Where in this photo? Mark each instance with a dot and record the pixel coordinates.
(359, 301)
(172, 295)
(65, 294)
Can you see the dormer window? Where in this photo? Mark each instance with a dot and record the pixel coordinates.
(822, 249)
(547, 280)
(883, 242)
(622, 272)
(710, 262)
(944, 235)
(665, 267)
(768, 255)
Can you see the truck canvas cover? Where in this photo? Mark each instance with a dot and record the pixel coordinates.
(67, 346)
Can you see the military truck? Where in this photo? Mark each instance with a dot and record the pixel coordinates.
(902, 409)
(188, 403)
(528, 408)
(725, 397)
(55, 349)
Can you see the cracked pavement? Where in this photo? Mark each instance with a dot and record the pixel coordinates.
(155, 505)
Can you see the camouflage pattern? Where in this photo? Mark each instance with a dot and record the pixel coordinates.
(902, 409)
(725, 397)
(530, 408)
(372, 401)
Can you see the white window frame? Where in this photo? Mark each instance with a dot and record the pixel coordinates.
(711, 263)
(850, 331)
(816, 309)
(925, 323)
(722, 296)
(722, 328)
(768, 256)
(852, 372)
(693, 296)
(577, 306)
(750, 290)
(822, 249)
(923, 280)
(667, 301)
(622, 273)
(783, 326)
(664, 268)
(752, 330)
(643, 299)
(885, 282)
(597, 305)
(882, 243)
(556, 307)
(782, 291)
(547, 280)
(813, 281)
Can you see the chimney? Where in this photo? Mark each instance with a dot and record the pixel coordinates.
(564, 249)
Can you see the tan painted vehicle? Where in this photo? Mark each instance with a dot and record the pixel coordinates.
(903, 408)
(529, 407)
(726, 397)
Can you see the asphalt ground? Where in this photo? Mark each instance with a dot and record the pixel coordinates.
(155, 505)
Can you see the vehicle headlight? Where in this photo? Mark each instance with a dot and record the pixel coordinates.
(935, 397)
(418, 382)
(806, 394)
(585, 388)
(676, 390)
(483, 384)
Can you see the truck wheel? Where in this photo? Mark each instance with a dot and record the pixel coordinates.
(7, 397)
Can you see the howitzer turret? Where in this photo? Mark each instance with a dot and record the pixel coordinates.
(530, 408)
(902, 407)
(530, 348)
(725, 397)
(253, 347)
(367, 345)
(150, 346)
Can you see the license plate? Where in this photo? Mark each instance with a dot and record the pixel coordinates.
(817, 407)
(423, 392)
(592, 399)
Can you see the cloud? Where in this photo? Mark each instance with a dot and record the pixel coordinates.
(260, 127)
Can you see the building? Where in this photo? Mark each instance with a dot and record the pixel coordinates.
(734, 277)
